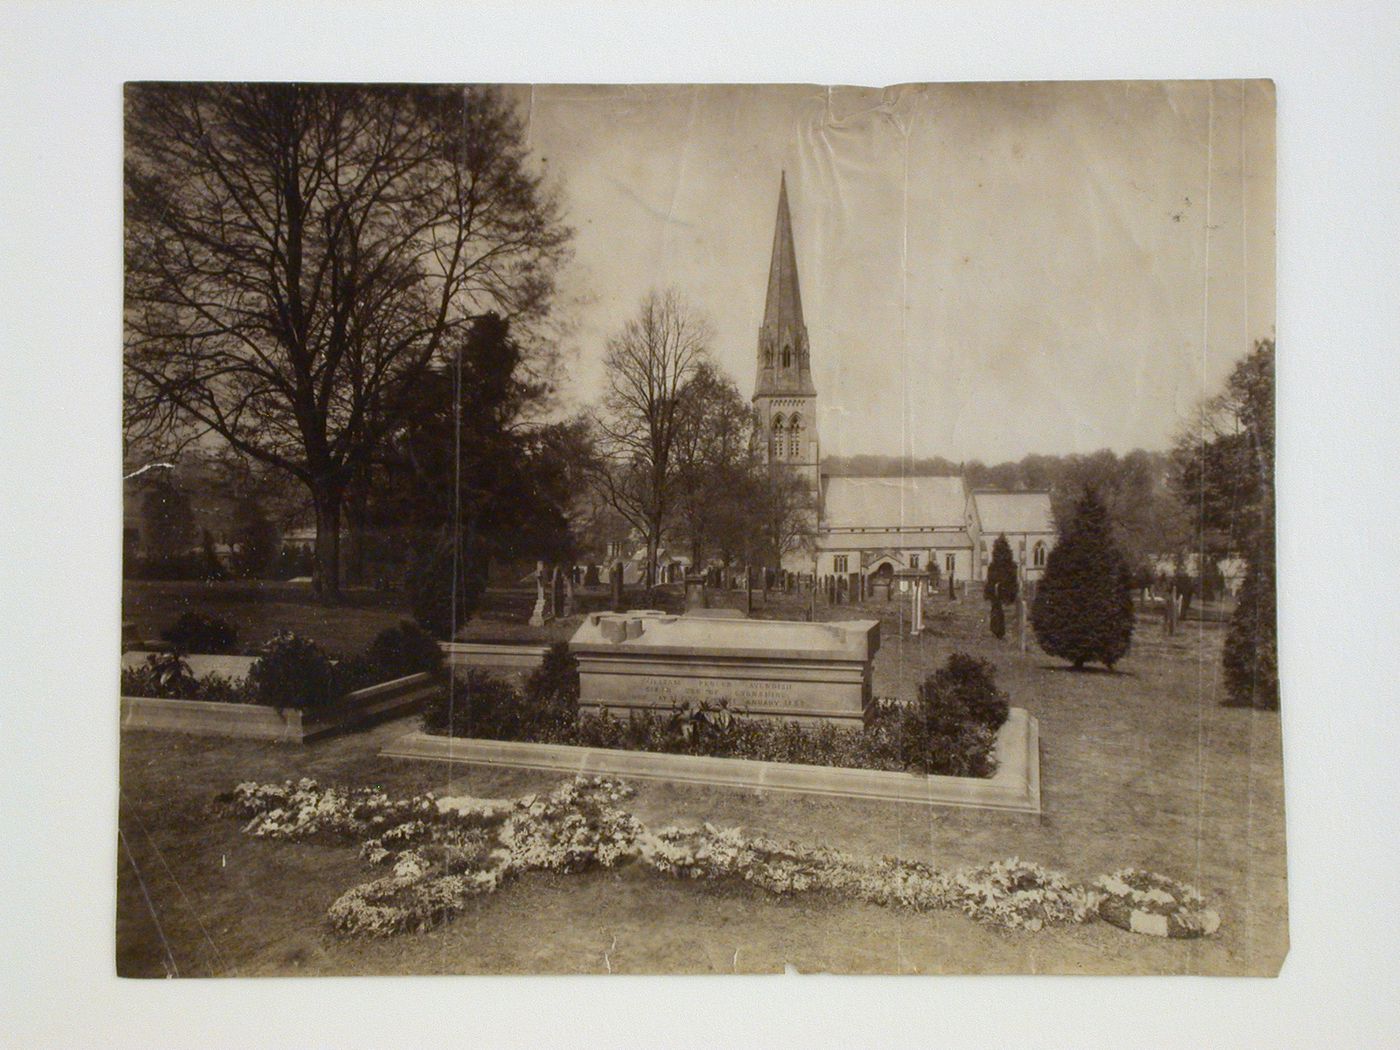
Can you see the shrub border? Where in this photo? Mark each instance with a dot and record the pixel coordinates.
(375, 703)
(1015, 788)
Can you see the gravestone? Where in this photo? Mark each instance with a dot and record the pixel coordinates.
(543, 612)
(774, 669)
(695, 592)
(571, 579)
(616, 582)
(556, 592)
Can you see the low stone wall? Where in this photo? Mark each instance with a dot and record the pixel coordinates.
(376, 703)
(1015, 788)
(492, 656)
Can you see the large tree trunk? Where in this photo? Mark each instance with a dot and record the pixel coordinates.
(327, 575)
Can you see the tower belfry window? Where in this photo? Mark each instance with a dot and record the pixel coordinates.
(787, 356)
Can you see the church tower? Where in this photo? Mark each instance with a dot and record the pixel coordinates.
(784, 396)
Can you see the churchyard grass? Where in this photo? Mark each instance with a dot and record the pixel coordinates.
(1140, 768)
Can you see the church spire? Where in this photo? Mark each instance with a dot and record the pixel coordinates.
(784, 367)
(784, 306)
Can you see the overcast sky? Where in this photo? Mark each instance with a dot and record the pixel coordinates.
(986, 270)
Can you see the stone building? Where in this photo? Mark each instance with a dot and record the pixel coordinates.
(875, 526)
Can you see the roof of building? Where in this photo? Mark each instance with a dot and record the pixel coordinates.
(953, 539)
(1013, 512)
(887, 503)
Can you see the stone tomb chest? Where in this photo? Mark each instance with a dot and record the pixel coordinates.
(777, 669)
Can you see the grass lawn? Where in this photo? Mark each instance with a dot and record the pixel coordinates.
(1140, 767)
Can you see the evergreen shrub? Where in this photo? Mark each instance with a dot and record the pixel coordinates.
(293, 672)
(194, 632)
(404, 650)
(1083, 609)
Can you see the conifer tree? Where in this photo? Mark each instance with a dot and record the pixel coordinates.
(1083, 607)
(1001, 573)
(998, 624)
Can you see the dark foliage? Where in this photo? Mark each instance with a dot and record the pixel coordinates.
(998, 619)
(482, 706)
(213, 565)
(166, 676)
(952, 728)
(1251, 646)
(292, 562)
(194, 632)
(477, 704)
(1001, 573)
(255, 540)
(445, 586)
(1225, 474)
(404, 650)
(293, 672)
(187, 566)
(1083, 609)
(552, 691)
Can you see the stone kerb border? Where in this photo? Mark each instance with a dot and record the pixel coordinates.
(1015, 788)
(376, 703)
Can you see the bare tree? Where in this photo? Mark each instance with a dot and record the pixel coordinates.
(788, 513)
(717, 458)
(649, 364)
(297, 254)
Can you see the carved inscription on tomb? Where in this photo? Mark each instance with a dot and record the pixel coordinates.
(742, 694)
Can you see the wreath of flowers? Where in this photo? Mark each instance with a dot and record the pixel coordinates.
(1145, 902)
(442, 852)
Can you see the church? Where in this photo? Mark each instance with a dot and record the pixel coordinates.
(875, 526)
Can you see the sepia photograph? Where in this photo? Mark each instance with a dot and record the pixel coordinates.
(699, 529)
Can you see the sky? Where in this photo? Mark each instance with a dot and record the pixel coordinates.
(987, 270)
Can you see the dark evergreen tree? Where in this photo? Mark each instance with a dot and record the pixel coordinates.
(1226, 475)
(998, 624)
(1001, 573)
(256, 539)
(1251, 646)
(1083, 606)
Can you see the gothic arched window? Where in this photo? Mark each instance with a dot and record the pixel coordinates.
(795, 437)
(1038, 555)
(787, 356)
(776, 449)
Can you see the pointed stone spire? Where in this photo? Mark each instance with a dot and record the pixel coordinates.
(784, 367)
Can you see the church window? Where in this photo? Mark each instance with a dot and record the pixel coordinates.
(777, 448)
(950, 562)
(839, 563)
(795, 437)
(787, 356)
(1039, 555)
(913, 561)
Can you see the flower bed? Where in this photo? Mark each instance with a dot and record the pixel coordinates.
(951, 730)
(440, 853)
(293, 691)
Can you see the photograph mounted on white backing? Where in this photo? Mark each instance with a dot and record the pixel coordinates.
(676, 529)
